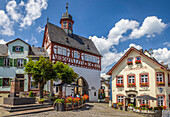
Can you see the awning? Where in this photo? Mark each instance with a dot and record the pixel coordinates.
(146, 97)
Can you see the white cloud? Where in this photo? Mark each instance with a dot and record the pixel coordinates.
(162, 55)
(2, 41)
(105, 76)
(39, 29)
(151, 26)
(21, 3)
(6, 26)
(167, 44)
(33, 9)
(11, 9)
(34, 39)
(26, 40)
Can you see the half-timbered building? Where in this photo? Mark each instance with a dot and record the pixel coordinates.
(79, 52)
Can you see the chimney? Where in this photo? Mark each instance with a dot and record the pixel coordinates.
(162, 63)
(141, 50)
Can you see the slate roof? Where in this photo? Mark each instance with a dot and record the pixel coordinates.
(3, 50)
(59, 36)
(37, 52)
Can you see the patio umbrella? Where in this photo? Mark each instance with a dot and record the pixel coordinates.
(146, 97)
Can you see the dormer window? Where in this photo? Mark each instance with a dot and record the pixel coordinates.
(65, 24)
(69, 25)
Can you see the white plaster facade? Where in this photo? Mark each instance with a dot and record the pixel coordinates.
(147, 66)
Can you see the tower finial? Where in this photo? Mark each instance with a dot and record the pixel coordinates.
(67, 7)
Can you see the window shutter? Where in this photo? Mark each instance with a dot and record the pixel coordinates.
(15, 62)
(25, 61)
(0, 81)
(10, 81)
(11, 62)
(13, 49)
(1, 62)
(22, 49)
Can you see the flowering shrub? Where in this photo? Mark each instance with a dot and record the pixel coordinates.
(160, 83)
(138, 61)
(130, 63)
(144, 105)
(131, 84)
(120, 103)
(130, 105)
(119, 85)
(76, 100)
(144, 84)
(69, 99)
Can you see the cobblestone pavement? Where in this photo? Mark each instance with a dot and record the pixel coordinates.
(90, 110)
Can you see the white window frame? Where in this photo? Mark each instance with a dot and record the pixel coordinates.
(145, 101)
(160, 78)
(160, 100)
(65, 24)
(76, 54)
(69, 25)
(20, 62)
(32, 87)
(120, 80)
(131, 79)
(120, 99)
(60, 51)
(64, 51)
(85, 57)
(144, 78)
(6, 62)
(18, 48)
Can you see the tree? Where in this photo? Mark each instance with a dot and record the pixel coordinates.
(42, 71)
(65, 73)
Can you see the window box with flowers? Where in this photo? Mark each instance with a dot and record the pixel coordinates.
(138, 60)
(145, 84)
(120, 104)
(132, 85)
(129, 63)
(119, 85)
(160, 83)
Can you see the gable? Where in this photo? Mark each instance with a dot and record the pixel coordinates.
(138, 53)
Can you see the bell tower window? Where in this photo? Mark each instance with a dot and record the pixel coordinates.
(64, 24)
(69, 25)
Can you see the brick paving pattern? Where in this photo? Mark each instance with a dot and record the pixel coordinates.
(90, 110)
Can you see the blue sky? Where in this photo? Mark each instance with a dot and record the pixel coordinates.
(114, 25)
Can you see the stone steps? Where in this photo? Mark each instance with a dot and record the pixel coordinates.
(26, 112)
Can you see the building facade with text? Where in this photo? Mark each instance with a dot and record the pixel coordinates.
(137, 73)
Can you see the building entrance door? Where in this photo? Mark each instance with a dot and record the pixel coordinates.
(132, 99)
(22, 85)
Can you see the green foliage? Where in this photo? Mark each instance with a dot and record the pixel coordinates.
(155, 108)
(103, 95)
(59, 101)
(31, 94)
(41, 100)
(65, 72)
(143, 108)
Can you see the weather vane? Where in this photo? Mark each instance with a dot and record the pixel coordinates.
(67, 7)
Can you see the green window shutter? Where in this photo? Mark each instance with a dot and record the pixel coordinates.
(0, 81)
(13, 49)
(22, 49)
(1, 62)
(25, 61)
(11, 62)
(10, 81)
(15, 62)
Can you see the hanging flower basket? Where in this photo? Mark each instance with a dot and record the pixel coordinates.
(120, 104)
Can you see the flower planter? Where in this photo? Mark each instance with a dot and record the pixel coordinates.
(40, 102)
(59, 107)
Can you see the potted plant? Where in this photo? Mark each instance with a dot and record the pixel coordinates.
(59, 105)
(41, 101)
(144, 84)
(131, 84)
(130, 106)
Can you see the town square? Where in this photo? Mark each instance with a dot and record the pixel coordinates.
(89, 58)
